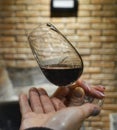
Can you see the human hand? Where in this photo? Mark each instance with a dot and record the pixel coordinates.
(75, 94)
(51, 112)
(38, 108)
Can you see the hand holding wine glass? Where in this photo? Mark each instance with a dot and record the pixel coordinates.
(80, 93)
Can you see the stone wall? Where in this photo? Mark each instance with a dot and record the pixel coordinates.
(93, 33)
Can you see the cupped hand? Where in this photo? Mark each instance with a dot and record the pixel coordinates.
(38, 108)
(42, 111)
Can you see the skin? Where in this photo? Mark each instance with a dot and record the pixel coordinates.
(53, 112)
(74, 95)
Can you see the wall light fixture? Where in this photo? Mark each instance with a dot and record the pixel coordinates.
(64, 8)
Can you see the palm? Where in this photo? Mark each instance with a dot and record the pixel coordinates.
(71, 121)
(41, 108)
(33, 119)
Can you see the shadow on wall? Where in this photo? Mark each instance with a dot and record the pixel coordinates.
(15, 80)
(11, 78)
(22, 77)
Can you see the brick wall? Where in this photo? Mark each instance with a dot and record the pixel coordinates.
(93, 32)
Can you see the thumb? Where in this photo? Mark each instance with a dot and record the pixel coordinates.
(80, 114)
(72, 117)
(87, 110)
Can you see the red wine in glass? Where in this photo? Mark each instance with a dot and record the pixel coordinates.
(61, 75)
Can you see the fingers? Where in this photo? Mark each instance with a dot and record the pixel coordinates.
(24, 105)
(45, 101)
(40, 101)
(96, 92)
(100, 88)
(57, 104)
(35, 101)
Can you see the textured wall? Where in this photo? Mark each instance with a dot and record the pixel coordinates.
(93, 32)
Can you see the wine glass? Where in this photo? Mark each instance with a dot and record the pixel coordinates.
(58, 59)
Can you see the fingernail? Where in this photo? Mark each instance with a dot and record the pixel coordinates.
(33, 89)
(78, 92)
(102, 86)
(95, 112)
(41, 91)
(100, 94)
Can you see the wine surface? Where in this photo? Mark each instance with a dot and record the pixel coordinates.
(61, 75)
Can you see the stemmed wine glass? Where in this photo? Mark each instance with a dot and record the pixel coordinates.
(58, 59)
